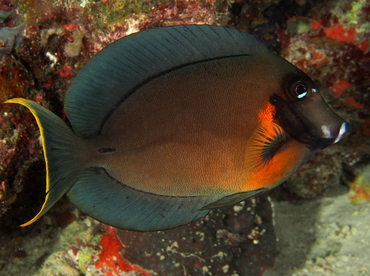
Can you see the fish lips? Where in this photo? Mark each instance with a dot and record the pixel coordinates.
(310, 121)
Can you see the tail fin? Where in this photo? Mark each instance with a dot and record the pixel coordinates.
(61, 152)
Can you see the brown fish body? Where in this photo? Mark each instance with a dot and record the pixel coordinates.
(207, 118)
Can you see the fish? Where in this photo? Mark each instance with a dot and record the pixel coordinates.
(172, 122)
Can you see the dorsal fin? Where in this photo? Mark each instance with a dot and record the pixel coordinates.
(120, 68)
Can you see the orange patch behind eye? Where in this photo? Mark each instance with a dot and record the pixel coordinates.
(267, 113)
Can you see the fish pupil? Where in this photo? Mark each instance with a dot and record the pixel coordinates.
(301, 90)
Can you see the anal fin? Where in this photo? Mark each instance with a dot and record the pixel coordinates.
(119, 205)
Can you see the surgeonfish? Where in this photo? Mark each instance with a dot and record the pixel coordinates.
(171, 122)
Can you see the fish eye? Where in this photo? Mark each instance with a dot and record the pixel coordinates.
(299, 89)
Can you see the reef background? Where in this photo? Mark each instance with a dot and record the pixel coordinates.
(317, 223)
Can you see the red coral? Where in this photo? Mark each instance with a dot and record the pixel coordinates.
(352, 101)
(319, 58)
(69, 27)
(284, 38)
(363, 46)
(339, 32)
(110, 259)
(66, 71)
(316, 24)
(339, 87)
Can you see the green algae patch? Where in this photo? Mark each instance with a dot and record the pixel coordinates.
(360, 187)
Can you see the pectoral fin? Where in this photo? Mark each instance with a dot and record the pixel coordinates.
(264, 143)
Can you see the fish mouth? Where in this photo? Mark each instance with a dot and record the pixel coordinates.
(317, 137)
(344, 129)
(328, 136)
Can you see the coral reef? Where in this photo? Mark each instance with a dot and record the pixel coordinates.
(43, 44)
(318, 176)
(358, 180)
(238, 240)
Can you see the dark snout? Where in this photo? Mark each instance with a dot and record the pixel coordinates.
(312, 122)
(327, 132)
(323, 125)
